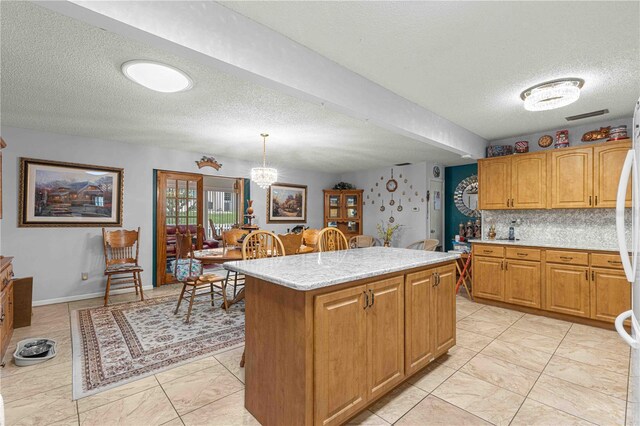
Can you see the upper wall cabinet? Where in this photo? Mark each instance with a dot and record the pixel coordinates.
(517, 182)
(608, 160)
(494, 183)
(581, 177)
(572, 178)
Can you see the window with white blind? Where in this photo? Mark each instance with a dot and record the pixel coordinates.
(222, 204)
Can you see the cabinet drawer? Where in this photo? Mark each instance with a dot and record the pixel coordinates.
(523, 253)
(568, 257)
(488, 250)
(5, 276)
(604, 260)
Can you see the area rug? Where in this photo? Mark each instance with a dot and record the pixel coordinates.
(126, 342)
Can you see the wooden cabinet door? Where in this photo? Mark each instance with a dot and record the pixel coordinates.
(494, 176)
(418, 333)
(340, 356)
(572, 178)
(385, 335)
(522, 283)
(529, 181)
(607, 165)
(443, 310)
(567, 289)
(488, 278)
(610, 294)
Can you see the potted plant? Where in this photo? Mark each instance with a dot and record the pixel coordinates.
(386, 232)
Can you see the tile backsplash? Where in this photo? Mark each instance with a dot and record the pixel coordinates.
(551, 226)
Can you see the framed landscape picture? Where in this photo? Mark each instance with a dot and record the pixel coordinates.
(67, 194)
(286, 203)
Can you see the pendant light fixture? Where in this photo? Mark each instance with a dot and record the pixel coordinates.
(552, 94)
(264, 176)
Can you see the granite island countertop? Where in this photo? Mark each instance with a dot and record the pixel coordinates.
(317, 270)
(591, 246)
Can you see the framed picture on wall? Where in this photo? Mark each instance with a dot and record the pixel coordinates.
(69, 195)
(287, 203)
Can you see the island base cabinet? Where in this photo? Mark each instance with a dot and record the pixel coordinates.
(610, 294)
(430, 316)
(488, 279)
(340, 349)
(443, 312)
(359, 347)
(567, 289)
(522, 283)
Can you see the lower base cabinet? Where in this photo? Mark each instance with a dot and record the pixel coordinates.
(488, 281)
(610, 294)
(369, 338)
(522, 283)
(567, 289)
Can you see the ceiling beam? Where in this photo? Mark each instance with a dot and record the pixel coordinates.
(214, 35)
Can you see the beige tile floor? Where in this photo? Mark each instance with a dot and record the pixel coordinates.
(507, 368)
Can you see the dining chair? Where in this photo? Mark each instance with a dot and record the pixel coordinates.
(189, 272)
(260, 245)
(426, 245)
(291, 243)
(332, 239)
(121, 249)
(229, 241)
(309, 240)
(214, 233)
(360, 241)
(230, 238)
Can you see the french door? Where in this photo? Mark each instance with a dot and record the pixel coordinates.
(179, 209)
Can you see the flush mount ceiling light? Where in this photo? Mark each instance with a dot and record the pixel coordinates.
(552, 94)
(156, 76)
(264, 176)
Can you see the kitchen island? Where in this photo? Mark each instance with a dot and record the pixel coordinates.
(329, 333)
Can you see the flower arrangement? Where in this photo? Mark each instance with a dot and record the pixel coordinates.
(386, 232)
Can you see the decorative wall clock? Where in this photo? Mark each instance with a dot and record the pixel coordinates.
(436, 171)
(392, 184)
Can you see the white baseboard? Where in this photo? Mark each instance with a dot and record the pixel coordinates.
(85, 296)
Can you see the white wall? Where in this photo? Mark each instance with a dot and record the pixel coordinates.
(414, 223)
(56, 257)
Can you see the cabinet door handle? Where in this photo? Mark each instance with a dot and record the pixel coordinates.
(596, 200)
(373, 297)
(438, 276)
(523, 254)
(593, 275)
(434, 278)
(589, 199)
(366, 300)
(566, 257)
(487, 251)
(586, 274)
(507, 202)
(614, 262)
(502, 265)
(506, 266)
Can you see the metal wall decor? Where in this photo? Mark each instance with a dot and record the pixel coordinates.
(465, 196)
(208, 162)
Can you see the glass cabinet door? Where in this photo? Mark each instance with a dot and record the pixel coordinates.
(351, 206)
(353, 227)
(334, 207)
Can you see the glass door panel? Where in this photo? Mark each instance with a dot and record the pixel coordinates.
(334, 207)
(353, 227)
(351, 206)
(178, 211)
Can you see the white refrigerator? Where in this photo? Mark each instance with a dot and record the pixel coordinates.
(629, 255)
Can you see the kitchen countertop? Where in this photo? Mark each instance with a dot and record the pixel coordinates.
(317, 270)
(593, 246)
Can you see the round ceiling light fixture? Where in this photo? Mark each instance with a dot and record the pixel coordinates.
(552, 94)
(156, 76)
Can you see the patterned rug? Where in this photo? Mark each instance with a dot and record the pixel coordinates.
(126, 342)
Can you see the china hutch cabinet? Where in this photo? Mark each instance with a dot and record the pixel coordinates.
(343, 210)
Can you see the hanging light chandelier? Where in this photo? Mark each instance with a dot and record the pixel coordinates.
(264, 176)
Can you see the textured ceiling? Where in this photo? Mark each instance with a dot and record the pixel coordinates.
(63, 76)
(469, 61)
